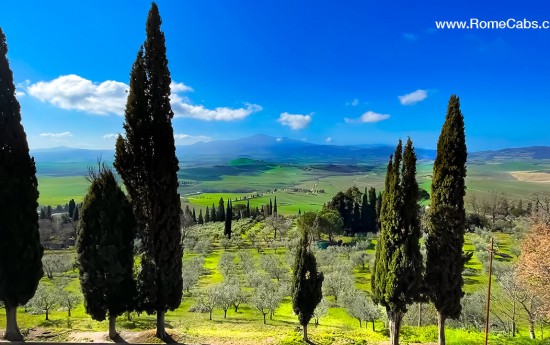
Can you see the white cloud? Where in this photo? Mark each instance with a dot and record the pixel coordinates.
(279, 139)
(184, 109)
(72, 92)
(353, 103)
(20, 94)
(328, 139)
(180, 87)
(56, 135)
(368, 117)
(194, 138)
(413, 97)
(410, 37)
(294, 121)
(110, 136)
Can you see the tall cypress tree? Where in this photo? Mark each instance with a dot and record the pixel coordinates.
(213, 217)
(306, 283)
(398, 262)
(270, 208)
(207, 215)
(228, 220)
(247, 208)
(221, 210)
(146, 161)
(445, 258)
(72, 205)
(378, 210)
(201, 219)
(372, 223)
(105, 247)
(275, 207)
(20, 249)
(365, 212)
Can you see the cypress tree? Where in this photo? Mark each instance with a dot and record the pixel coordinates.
(270, 209)
(221, 210)
(207, 215)
(365, 212)
(72, 205)
(228, 219)
(49, 212)
(146, 161)
(194, 216)
(306, 283)
(371, 210)
(446, 226)
(213, 214)
(105, 248)
(20, 249)
(378, 210)
(201, 219)
(398, 263)
(247, 208)
(76, 214)
(275, 207)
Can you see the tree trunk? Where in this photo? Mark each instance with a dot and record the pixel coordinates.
(47, 313)
(210, 313)
(112, 327)
(441, 324)
(69, 310)
(161, 330)
(264, 320)
(305, 333)
(360, 324)
(532, 329)
(225, 314)
(394, 321)
(12, 331)
(373, 326)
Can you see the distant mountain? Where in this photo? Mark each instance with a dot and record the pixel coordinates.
(512, 154)
(69, 155)
(285, 150)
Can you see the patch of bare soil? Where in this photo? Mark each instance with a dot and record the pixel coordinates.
(531, 176)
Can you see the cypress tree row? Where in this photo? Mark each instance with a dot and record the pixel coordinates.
(146, 161)
(20, 248)
(396, 277)
(105, 248)
(306, 283)
(445, 259)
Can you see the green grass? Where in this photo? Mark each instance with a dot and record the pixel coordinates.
(59, 190)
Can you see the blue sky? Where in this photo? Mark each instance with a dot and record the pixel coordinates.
(338, 72)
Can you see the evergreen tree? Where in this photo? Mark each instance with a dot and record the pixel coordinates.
(365, 212)
(378, 210)
(247, 215)
(306, 283)
(372, 223)
(72, 206)
(43, 213)
(445, 259)
(213, 214)
(146, 161)
(76, 215)
(105, 247)
(207, 215)
(49, 213)
(398, 263)
(194, 216)
(201, 219)
(228, 220)
(270, 209)
(221, 211)
(20, 249)
(275, 207)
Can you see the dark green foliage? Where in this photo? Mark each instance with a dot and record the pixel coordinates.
(365, 212)
(445, 259)
(228, 219)
(207, 215)
(270, 208)
(72, 206)
(20, 249)
(201, 219)
(105, 247)
(194, 216)
(221, 211)
(423, 195)
(306, 283)
(397, 275)
(76, 213)
(378, 209)
(49, 213)
(146, 161)
(213, 216)
(247, 214)
(275, 206)
(372, 222)
(43, 213)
